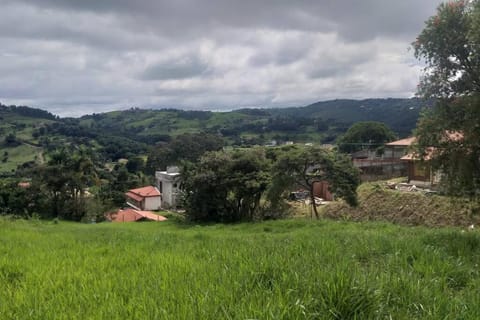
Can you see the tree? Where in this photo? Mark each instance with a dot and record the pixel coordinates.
(365, 135)
(304, 166)
(185, 147)
(65, 178)
(450, 46)
(135, 164)
(21, 201)
(11, 140)
(226, 186)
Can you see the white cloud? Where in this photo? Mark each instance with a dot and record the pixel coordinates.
(77, 57)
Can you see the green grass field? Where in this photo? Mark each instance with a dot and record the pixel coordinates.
(18, 155)
(292, 269)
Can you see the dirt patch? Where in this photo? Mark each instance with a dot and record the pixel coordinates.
(378, 202)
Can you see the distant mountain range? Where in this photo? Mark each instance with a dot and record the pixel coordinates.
(135, 130)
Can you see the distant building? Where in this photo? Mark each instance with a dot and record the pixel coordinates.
(384, 162)
(146, 198)
(420, 172)
(168, 183)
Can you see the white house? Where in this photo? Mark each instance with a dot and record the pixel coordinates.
(168, 184)
(146, 198)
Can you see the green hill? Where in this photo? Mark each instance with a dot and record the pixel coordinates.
(121, 134)
(399, 114)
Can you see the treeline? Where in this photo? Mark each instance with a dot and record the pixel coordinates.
(28, 112)
(72, 185)
(217, 185)
(252, 184)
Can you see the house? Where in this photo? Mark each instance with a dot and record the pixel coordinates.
(384, 162)
(168, 183)
(131, 215)
(146, 198)
(419, 170)
(397, 149)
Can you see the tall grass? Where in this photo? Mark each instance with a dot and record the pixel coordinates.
(293, 269)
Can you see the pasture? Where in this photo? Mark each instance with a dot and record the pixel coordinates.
(291, 269)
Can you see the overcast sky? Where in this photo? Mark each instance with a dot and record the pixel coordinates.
(76, 57)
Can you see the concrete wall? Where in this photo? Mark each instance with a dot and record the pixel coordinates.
(152, 203)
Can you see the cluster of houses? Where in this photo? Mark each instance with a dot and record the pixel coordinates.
(141, 202)
(396, 160)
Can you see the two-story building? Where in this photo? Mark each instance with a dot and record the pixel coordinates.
(168, 183)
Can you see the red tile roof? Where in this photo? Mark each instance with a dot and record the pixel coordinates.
(131, 215)
(134, 196)
(145, 192)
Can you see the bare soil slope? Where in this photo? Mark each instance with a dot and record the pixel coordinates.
(377, 202)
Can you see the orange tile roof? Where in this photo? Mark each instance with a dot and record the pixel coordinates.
(24, 184)
(402, 142)
(145, 192)
(413, 156)
(131, 215)
(454, 135)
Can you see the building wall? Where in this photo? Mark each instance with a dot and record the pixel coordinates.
(134, 203)
(169, 193)
(152, 203)
(320, 190)
(167, 183)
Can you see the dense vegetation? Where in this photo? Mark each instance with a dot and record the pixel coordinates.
(252, 184)
(450, 132)
(369, 135)
(290, 269)
(27, 133)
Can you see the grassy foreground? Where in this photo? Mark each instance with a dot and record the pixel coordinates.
(293, 269)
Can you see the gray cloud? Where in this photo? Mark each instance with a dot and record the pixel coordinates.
(174, 69)
(83, 56)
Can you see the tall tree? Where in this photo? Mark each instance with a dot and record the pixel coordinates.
(65, 177)
(365, 135)
(450, 46)
(304, 166)
(226, 186)
(185, 147)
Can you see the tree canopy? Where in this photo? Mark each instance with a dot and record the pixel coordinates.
(248, 184)
(365, 135)
(305, 166)
(185, 147)
(226, 186)
(450, 46)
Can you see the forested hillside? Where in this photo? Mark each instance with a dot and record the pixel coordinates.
(399, 114)
(27, 133)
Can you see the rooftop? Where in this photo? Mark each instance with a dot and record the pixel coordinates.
(402, 142)
(131, 215)
(145, 192)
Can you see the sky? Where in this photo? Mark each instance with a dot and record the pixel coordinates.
(75, 57)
